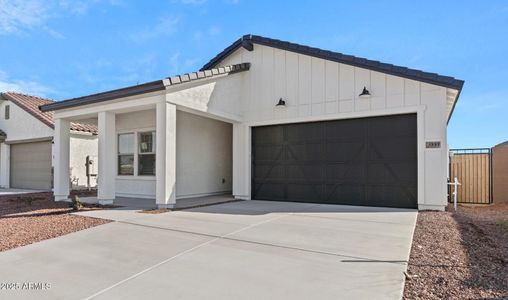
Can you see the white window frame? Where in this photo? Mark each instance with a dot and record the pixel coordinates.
(136, 133)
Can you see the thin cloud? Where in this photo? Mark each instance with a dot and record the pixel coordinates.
(23, 86)
(164, 27)
(191, 2)
(177, 65)
(19, 15)
(81, 7)
(213, 30)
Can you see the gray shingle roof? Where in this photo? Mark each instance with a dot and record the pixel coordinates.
(247, 40)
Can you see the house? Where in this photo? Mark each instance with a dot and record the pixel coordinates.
(271, 120)
(26, 148)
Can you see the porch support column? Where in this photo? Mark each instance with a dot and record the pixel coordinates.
(165, 157)
(61, 173)
(107, 157)
(5, 162)
(241, 161)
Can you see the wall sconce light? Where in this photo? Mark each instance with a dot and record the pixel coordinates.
(281, 103)
(365, 93)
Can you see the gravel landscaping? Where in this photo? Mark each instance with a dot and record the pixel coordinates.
(29, 218)
(462, 255)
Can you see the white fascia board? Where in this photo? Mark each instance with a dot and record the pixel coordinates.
(121, 105)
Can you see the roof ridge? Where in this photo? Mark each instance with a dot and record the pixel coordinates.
(374, 65)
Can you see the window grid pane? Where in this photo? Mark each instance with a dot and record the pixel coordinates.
(126, 164)
(147, 142)
(126, 143)
(146, 155)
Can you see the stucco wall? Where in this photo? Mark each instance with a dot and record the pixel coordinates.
(203, 155)
(315, 89)
(80, 147)
(500, 173)
(22, 125)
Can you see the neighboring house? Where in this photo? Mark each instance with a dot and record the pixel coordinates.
(272, 120)
(500, 172)
(26, 156)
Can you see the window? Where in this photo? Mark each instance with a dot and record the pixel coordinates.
(126, 154)
(146, 154)
(7, 112)
(136, 153)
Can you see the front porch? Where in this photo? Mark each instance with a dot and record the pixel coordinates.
(138, 146)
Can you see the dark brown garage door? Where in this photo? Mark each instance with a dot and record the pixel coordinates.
(368, 161)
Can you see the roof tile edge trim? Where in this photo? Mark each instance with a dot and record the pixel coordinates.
(144, 88)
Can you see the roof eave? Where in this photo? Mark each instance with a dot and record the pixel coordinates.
(337, 57)
(145, 88)
(455, 102)
(149, 87)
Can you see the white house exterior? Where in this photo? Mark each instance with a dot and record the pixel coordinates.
(26, 156)
(347, 130)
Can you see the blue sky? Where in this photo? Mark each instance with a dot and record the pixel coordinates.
(63, 49)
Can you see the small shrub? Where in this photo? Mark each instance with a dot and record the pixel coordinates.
(28, 200)
(76, 203)
(503, 225)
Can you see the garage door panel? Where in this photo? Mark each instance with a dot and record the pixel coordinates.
(369, 161)
(402, 125)
(342, 152)
(307, 172)
(30, 165)
(304, 133)
(270, 172)
(345, 194)
(393, 173)
(268, 152)
(270, 191)
(266, 135)
(304, 192)
(390, 148)
(345, 129)
(345, 172)
(389, 195)
(304, 152)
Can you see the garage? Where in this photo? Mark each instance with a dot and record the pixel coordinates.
(31, 165)
(368, 161)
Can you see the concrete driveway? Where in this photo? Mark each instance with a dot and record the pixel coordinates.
(239, 250)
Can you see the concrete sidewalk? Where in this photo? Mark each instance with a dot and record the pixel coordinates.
(239, 250)
(14, 191)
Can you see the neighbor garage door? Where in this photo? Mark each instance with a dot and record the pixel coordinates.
(31, 165)
(368, 161)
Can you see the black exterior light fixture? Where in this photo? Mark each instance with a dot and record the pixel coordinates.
(281, 103)
(365, 93)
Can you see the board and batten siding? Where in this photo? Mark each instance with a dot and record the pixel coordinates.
(316, 89)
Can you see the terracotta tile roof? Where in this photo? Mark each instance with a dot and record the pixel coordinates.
(31, 105)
